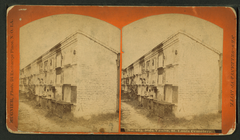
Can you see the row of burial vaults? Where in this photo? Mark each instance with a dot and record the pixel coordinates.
(154, 75)
(51, 75)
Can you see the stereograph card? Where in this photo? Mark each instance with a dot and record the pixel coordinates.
(121, 70)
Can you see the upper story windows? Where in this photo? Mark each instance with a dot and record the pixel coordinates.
(143, 67)
(148, 65)
(46, 65)
(59, 60)
(153, 63)
(160, 60)
(41, 67)
(51, 63)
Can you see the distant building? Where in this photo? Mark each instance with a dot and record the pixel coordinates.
(181, 75)
(78, 75)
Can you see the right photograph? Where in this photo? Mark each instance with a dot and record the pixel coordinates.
(171, 75)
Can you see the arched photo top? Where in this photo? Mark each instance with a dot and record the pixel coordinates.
(143, 35)
(41, 35)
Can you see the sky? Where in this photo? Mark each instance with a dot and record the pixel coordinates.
(138, 37)
(141, 36)
(41, 35)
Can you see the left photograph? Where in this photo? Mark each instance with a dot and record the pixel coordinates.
(69, 75)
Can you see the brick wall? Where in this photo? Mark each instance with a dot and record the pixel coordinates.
(96, 78)
(198, 79)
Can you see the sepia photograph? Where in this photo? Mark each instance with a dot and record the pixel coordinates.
(69, 75)
(121, 70)
(171, 75)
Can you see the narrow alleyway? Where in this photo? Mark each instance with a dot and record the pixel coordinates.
(31, 120)
(136, 117)
(131, 119)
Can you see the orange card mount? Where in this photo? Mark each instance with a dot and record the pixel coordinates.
(121, 70)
